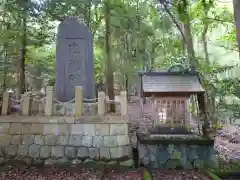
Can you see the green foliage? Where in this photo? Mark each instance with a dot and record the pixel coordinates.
(143, 37)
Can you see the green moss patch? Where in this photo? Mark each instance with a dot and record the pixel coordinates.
(212, 175)
(153, 139)
(147, 175)
(227, 169)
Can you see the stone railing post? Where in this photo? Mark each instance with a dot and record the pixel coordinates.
(48, 110)
(6, 103)
(123, 101)
(78, 101)
(101, 103)
(21, 101)
(26, 105)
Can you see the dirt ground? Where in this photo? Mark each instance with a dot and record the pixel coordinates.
(76, 173)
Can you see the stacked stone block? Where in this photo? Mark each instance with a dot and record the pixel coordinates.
(62, 143)
(175, 156)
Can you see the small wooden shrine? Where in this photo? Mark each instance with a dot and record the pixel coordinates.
(170, 93)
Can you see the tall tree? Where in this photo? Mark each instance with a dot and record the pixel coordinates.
(24, 4)
(109, 67)
(236, 8)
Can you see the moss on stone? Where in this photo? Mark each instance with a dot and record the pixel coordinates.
(199, 164)
(165, 140)
(173, 164)
(176, 154)
(170, 148)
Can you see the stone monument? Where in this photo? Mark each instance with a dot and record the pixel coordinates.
(74, 60)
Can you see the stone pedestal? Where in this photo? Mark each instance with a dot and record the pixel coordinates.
(176, 153)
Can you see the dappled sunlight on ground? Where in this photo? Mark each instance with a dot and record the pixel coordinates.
(227, 142)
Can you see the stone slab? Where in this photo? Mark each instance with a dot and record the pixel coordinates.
(118, 129)
(74, 60)
(175, 156)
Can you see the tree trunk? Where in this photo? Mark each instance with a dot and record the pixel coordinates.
(186, 33)
(189, 44)
(5, 46)
(87, 13)
(204, 41)
(127, 86)
(183, 44)
(4, 86)
(236, 8)
(23, 48)
(210, 93)
(152, 60)
(109, 68)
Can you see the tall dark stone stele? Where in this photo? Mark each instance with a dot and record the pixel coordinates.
(74, 60)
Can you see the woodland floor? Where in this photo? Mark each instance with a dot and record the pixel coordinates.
(54, 173)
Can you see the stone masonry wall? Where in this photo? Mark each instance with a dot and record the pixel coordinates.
(177, 156)
(63, 140)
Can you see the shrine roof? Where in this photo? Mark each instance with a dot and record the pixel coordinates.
(162, 82)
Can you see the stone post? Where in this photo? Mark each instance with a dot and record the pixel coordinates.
(6, 103)
(78, 101)
(41, 104)
(49, 101)
(21, 101)
(187, 114)
(123, 99)
(26, 105)
(101, 103)
(17, 94)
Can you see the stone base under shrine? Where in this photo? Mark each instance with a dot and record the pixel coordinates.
(175, 151)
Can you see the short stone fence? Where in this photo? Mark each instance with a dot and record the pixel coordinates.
(46, 104)
(52, 140)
